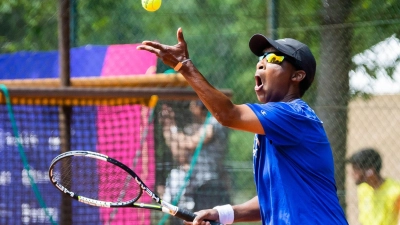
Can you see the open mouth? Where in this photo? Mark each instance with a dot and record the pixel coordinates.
(259, 83)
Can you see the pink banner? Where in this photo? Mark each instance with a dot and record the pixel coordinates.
(125, 133)
(127, 60)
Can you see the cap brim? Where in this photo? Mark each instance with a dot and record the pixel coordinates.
(258, 43)
(349, 160)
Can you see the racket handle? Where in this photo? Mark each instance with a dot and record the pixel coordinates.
(189, 216)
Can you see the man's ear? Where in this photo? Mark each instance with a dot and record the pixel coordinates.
(298, 75)
(369, 172)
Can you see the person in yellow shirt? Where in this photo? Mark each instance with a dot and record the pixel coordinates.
(378, 197)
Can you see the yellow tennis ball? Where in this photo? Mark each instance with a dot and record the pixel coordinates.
(151, 5)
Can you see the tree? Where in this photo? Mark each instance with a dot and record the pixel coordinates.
(28, 25)
(333, 83)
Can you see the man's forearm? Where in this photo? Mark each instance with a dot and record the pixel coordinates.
(215, 101)
(248, 211)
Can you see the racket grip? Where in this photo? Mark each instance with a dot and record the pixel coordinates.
(189, 216)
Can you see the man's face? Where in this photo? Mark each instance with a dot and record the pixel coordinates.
(358, 174)
(273, 80)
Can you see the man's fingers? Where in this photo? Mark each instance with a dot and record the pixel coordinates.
(151, 46)
(179, 35)
(170, 55)
(181, 41)
(149, 49)
(200, 216)
(187, 222)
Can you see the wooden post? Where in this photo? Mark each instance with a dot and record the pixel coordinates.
(64, 111)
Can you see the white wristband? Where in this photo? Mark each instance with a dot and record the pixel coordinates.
(226, 214)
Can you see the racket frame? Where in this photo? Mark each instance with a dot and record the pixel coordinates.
(164, 206)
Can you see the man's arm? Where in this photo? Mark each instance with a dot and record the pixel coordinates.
(246, 212)
(239, 117)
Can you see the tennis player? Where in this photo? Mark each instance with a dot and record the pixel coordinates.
(292, 157)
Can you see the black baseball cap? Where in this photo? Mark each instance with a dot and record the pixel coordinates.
(302, 55)
(366, 158)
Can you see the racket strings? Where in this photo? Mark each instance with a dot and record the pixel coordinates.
(105, 183)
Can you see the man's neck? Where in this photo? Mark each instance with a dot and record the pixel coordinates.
(376, 181)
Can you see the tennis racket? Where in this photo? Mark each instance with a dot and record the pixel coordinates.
(79, 173)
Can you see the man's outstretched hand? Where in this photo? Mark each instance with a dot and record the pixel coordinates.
(207, 214)
(170, 55)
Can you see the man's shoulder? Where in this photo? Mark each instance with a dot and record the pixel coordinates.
(295, 105)
(392, 183)
(295, 109)
(364, 192)
(300, 108)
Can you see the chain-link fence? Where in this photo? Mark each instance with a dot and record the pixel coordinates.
(356, 44)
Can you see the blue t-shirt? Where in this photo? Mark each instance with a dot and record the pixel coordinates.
(293, 167)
